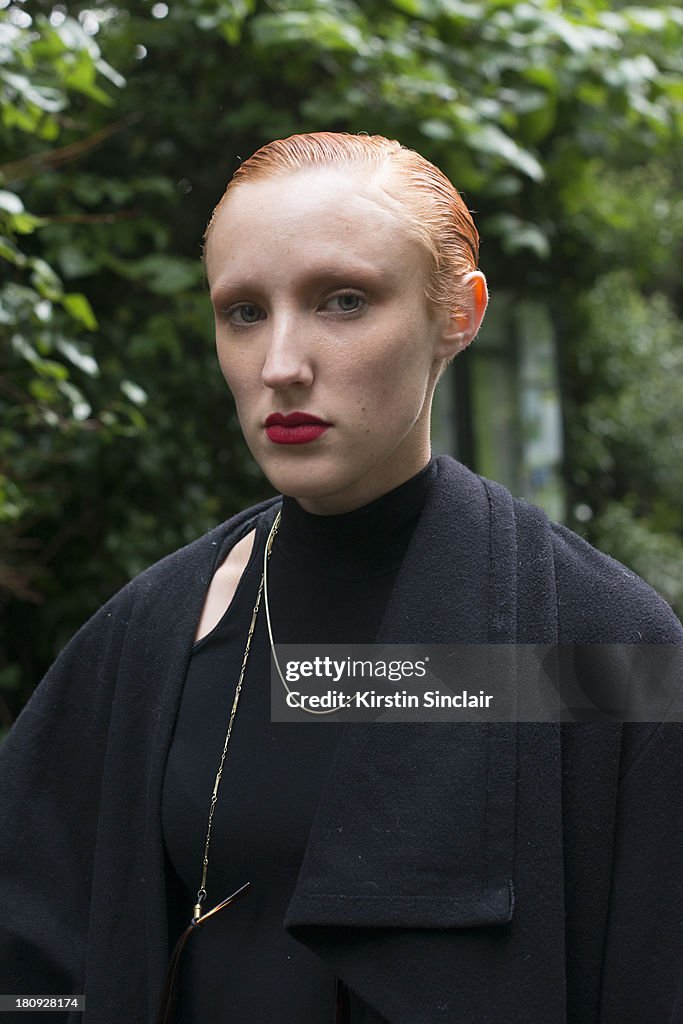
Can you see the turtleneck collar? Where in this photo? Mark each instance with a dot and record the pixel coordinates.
(364, 544)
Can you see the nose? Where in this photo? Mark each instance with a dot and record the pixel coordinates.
(288, 360)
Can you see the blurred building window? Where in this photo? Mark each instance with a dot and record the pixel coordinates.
(499, 407)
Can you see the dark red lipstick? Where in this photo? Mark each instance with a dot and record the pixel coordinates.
(295, 428)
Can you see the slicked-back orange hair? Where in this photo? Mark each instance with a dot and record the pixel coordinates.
(433, 207)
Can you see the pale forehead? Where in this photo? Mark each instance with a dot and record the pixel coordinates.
(314, 213)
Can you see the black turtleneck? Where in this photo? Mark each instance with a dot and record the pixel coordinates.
(329, 580)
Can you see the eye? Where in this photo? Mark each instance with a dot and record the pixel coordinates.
(346, 302)
(244, 313)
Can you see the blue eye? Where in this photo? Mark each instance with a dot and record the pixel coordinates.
(348, 302)
(245, 313)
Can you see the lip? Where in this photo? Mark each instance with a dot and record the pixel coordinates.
(294, 428)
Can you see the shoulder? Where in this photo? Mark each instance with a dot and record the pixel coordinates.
(561, 588)
(150, 621)
(599, 600)
(193, 565)
(603, 601)
(171, 588)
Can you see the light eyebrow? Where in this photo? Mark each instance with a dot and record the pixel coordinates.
(225, 290)
(342, 274)
(346, 272)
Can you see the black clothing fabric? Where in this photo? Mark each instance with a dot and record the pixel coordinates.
(494, 873)
(329, 581)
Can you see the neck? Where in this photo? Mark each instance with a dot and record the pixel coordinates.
(369, 488)
(364, 543)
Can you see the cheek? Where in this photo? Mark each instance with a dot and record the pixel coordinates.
(229, 380)
(234, 375)
(388, 398)
(397, 373)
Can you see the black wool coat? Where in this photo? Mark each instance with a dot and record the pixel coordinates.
(474, 874)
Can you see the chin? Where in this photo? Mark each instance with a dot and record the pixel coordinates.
(305, 485)
(307, 481)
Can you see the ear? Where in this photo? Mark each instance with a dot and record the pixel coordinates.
(460, 328)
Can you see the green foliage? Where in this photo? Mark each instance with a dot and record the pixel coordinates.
(645, 546)
(120, 126)
(51, 389)
(625, 426)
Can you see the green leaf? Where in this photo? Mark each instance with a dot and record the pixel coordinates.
(77, 357)
(438, 129)
(9, 252)
(133, 392)
(44, 280)
(413, 7)
(81, 77)
(44, 390)
(43, 310)
(24, 348)
(25, 223)
(74, 261)
(164, 275)
(489, 138)
(647, 18)
(45, 98)
(110, 73)
(51, 369)
(10, 202)
(517, 235)
(80, 407)
(78, 307)
(318, 27)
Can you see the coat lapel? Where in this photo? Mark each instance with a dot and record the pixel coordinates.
(415, 829)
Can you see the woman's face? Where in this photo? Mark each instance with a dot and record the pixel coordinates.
(318, 292)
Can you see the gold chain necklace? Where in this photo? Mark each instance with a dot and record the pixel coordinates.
(299, 707)
(262, 591)
(341, 999)
(201, 892)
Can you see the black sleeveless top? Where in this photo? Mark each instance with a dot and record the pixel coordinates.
(329, 580)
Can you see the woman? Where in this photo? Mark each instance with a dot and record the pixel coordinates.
(401, 873)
